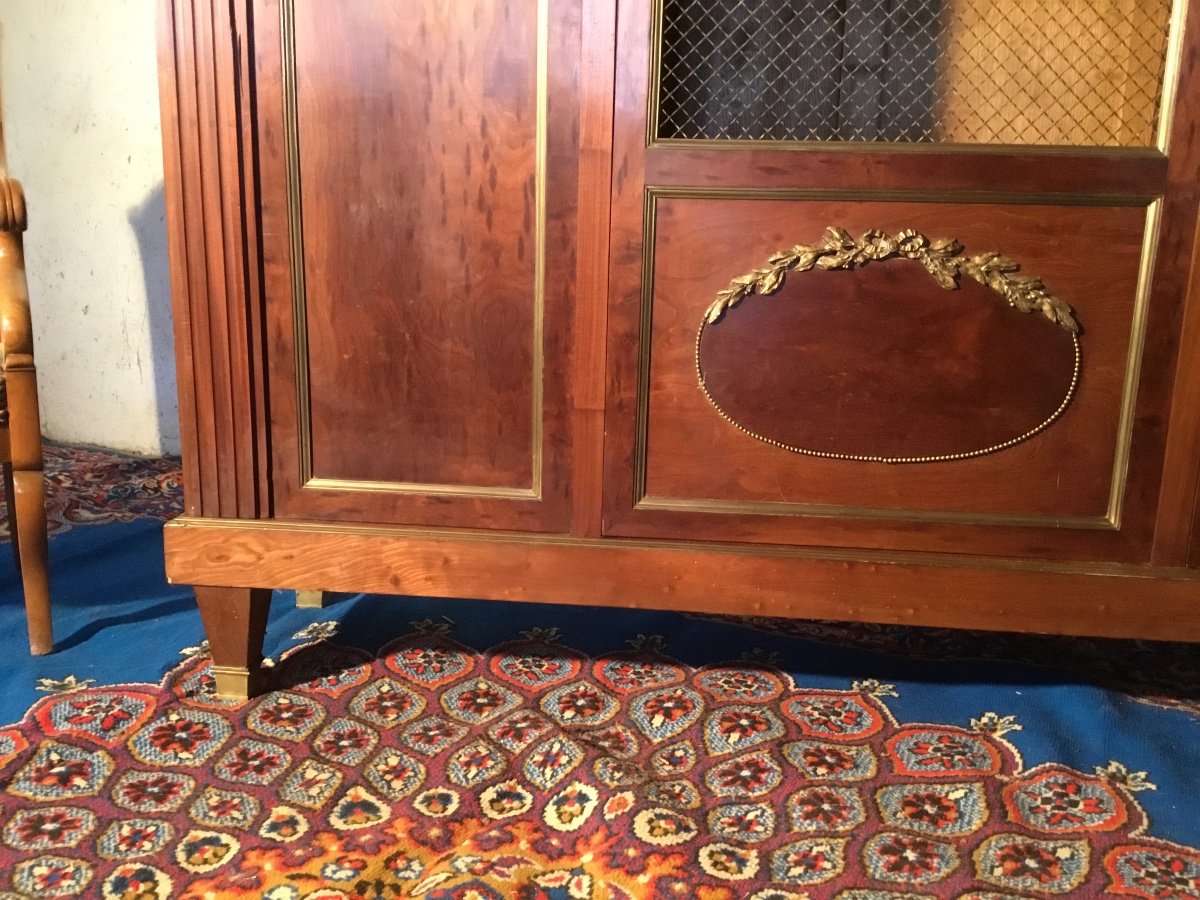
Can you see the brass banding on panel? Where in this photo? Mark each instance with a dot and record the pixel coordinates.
(308, 479)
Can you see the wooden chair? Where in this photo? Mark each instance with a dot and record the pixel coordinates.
(20, 425)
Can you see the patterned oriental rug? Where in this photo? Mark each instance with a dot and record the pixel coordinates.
(88, 486)
(1153, 672)
(529, 769)
(85, 486)
(536, 751)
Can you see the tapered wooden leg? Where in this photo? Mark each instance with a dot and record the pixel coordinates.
(310, 599)
(235, 620)
(30, 500)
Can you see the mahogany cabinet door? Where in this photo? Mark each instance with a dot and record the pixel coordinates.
(900, 276)
(418, 181)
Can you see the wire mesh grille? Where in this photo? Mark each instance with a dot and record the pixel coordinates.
(1050, 72)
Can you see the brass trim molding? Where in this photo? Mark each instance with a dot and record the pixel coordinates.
(307, 479)
(943, 260)
(1133, 364)
(238, 683)
(901, 149)
(641, 499)
(291, 131)
(1171, 70)
(873, 514)
(654, 77)
(541, 161)
(905, 195)
(398, 487)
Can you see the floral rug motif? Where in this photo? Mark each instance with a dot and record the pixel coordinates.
(1160, 673)
(85, 486)
(532, 770)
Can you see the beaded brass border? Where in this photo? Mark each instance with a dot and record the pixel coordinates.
(942, 259)
(1110, 520)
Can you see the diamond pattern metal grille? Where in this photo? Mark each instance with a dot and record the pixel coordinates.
(1048, 72)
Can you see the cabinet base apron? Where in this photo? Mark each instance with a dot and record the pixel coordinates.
(234, 563)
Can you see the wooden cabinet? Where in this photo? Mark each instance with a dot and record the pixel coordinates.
(663, 304)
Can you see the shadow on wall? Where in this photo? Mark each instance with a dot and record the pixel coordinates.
(148, 220)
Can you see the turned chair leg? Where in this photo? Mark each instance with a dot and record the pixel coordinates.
(235, 620)
(30, 501)
(27, 502)
(27, 497)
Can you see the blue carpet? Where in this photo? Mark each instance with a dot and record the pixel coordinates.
(117, 620)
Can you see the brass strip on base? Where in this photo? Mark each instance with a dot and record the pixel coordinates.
(236, 683)
(310, 599)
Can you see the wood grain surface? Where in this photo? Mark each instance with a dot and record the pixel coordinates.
(726, 485)
(380, 356)
(656, 487)
(418, 121)
(429, 339)
(882, 361)
(212, 221)
(702, 243)
(20, 423)
(1101, 601)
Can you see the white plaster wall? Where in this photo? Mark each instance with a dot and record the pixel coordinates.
(81, 126)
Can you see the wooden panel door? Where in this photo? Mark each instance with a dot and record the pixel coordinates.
(419, 170)
(837, 394)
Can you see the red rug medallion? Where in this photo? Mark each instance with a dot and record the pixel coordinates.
(533, 771)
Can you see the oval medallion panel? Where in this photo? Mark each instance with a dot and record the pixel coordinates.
(901, 360)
